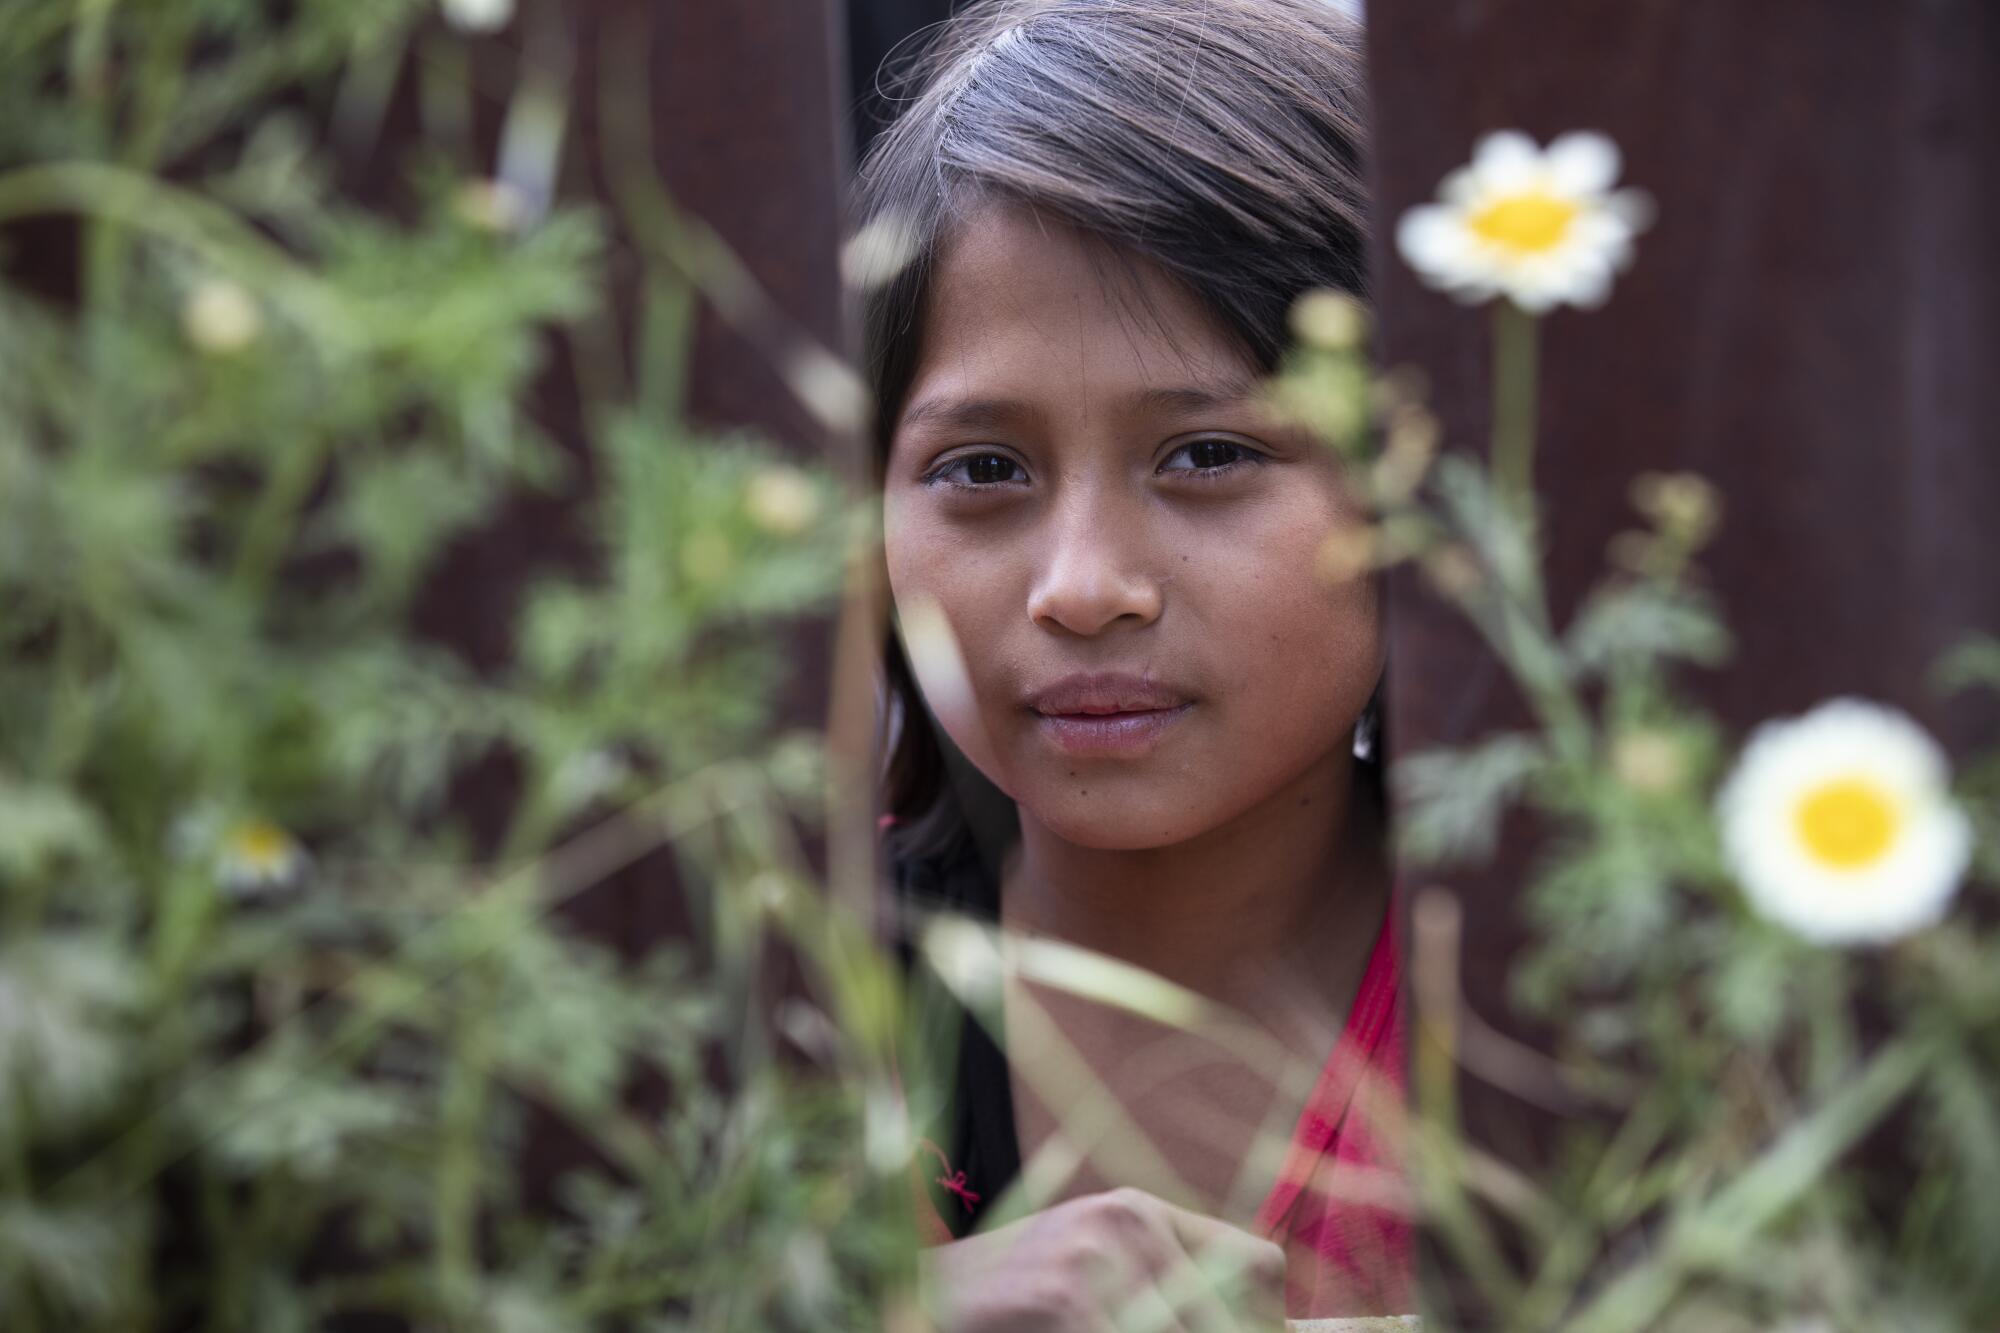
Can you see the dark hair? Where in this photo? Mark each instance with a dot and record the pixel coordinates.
(1222, 141)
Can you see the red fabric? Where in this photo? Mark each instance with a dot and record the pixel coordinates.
(1351, 1250)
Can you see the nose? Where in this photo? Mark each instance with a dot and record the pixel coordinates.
(1094, 573)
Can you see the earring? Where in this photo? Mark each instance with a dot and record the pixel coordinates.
(1364, 734)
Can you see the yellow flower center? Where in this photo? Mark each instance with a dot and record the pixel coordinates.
(1529, 223)
(1848, 822)
(261, 846)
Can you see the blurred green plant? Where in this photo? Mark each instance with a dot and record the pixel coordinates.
(276, 1017)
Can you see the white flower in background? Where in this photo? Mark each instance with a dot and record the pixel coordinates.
(1840, 824)
(256, 855)
(220, 316)
(1539, 227)
(781, 500)
(479, 15)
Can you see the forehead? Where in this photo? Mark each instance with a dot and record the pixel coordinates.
(1024, 304)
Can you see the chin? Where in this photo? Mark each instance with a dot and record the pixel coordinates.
(1113, 825)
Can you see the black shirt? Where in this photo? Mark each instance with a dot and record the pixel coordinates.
(975, 1130)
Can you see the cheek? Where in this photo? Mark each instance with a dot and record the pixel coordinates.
(1308, 652)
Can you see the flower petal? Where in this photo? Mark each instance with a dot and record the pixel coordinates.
(1431, 239)
(1590, 287)
(1506, 160)
(1582, 162)
(1632, 206)
(1460, 188)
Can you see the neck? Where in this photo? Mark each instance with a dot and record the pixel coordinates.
(1287, 894)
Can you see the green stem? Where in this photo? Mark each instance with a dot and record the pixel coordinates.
(66, 737)
(154, 81)
(1524, 635)
(1569, 1256)
(226, 1299)
(1515, 627)
(455, 1200)
(1758, 1195)
(1515, 379)
(534, 822)
(17, 1184)
(266, 533)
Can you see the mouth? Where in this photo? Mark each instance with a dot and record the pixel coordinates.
(1108, 713)
(1125, 732)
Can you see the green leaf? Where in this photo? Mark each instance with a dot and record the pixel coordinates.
(87, 1257)
(40, 825)
(66, 1044)
(1478, 513)
(1450, 801)
(1973, 664)
(1751, 985)
(1964, 1120)
(1634, 625)
(277, 1110)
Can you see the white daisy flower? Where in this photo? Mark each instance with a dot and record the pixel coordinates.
(1540, 227)
(256, 855)
(1840, 824)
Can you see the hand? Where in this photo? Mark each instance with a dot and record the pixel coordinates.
(1114, 1262)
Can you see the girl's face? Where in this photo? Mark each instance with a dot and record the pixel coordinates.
(1122, 540)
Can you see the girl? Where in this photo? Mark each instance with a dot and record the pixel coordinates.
(1152, 750)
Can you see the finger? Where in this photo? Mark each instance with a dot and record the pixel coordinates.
(1133, 1226)
(1109, 1270)
(1247, 1271)
(1212, 1276)
(1199, 1232)
(1251, 1298)
(1211, 1290)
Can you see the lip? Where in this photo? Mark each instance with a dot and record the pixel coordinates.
(1107, 713)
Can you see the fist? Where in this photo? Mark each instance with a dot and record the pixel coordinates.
(1107, 1263)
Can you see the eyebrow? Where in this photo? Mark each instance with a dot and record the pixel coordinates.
(991, 413)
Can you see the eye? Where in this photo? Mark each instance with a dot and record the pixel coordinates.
(977, 471)
(1212, 457)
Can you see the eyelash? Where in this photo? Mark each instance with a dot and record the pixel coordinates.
(1246, 456)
